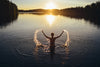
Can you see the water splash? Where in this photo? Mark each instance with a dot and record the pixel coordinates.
(37, 42)
(68, 40)
(42, 50)
(45, 48)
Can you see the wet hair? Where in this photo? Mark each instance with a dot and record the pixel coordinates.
(52, 34)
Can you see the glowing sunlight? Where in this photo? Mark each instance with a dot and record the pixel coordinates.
(50, 5)
(50, 19)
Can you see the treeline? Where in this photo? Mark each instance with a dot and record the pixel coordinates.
(8, 10)
(89, 10)
(33, 10)
(41, 11)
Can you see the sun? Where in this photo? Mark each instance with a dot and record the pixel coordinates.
(50, 5)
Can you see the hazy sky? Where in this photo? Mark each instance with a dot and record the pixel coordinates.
(33, 4)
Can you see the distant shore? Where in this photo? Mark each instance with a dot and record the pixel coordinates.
(89, 10)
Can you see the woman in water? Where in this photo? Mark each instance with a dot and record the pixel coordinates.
(52, 40)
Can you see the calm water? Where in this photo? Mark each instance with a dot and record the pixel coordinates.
(18, 49)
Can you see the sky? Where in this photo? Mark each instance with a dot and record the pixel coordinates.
(59, 4)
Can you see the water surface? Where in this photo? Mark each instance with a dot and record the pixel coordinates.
(17, 46)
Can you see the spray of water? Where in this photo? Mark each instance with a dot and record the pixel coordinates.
(37, 42)
(67, 40)
(45, 48)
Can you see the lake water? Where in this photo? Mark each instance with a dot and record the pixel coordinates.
(18, 49)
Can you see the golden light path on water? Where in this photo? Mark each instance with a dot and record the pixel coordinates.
(50, 19)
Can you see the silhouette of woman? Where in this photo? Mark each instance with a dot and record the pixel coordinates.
(52, 40)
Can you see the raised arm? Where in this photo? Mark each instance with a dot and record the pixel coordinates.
(60, 34)
(45, 35)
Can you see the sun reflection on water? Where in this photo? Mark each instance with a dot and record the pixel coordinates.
(50, 19)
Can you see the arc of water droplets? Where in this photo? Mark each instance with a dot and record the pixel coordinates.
(68, 40)
(37, 42)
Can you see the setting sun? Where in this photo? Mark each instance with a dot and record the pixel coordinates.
(50, 5)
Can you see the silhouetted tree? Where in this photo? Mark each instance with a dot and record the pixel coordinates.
(8, 10)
